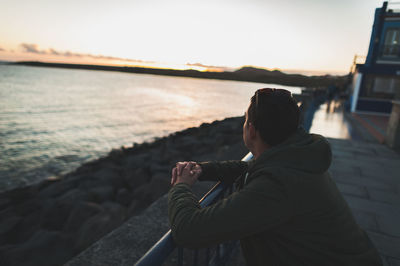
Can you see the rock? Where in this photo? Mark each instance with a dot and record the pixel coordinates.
(19, 195)
(56, 188)
(81, 213)
(136, 207)
(136, 160)
(90, 182)
(101, 194)
(106, 173)
(115, 154)
(117, 211)
(4, 203)
(7, 227)
(137, 177)
(10, 211)
(170, 155)
(27, 207)
(56, 213)
(73, 196)
(95, 227)
(43, 248)
(187, 143)
(149, 192)
(156, 169)
(110, 176)
(8, 224)
(124, 196)
(4, 249)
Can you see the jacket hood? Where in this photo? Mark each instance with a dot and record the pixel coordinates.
(302, 153)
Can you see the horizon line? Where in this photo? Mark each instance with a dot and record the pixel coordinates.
(196, 66)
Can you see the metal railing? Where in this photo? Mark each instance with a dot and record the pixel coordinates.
(161, 250)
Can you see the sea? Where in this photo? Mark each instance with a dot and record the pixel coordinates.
(53, 120)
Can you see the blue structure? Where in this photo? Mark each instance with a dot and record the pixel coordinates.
(376, 83)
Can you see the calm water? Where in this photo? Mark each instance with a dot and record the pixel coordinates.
(52, 120)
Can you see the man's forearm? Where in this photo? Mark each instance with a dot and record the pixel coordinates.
(225, 171)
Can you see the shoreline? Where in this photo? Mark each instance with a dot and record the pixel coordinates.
(247, 74)
(65, 216)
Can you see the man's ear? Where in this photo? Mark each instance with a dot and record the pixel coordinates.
(252, 131)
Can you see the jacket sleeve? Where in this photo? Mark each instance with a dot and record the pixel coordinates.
(225, 171)
(259, 206)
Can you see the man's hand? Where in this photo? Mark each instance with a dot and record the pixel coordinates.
(185, 172)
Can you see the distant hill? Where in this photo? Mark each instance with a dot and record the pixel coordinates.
(257, 72)
(247, 73)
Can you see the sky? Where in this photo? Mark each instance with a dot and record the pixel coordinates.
(308, 35)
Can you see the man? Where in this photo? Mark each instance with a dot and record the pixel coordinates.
(287, 210)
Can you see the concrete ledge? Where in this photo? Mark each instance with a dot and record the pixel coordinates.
(121, 246)
(127, 244)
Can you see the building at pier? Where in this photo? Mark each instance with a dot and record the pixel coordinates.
(376, 83)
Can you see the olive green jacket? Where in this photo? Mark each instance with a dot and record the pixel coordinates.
(286, 211)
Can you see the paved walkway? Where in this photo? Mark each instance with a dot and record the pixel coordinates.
(368, 175)
(376, 125)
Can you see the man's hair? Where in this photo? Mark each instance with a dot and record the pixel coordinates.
(275, 114)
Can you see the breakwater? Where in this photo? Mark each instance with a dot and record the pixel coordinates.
(246, 73)
(50, 222)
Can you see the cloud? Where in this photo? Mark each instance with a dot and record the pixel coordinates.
(221, 68)
(1, 49)
(34, 48)
(31, 48)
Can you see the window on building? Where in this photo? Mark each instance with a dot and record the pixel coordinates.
(384, 87)
(391, 46)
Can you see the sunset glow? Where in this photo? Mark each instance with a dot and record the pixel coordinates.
(203, 35)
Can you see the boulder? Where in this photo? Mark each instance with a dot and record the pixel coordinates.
(96, 227)
(117, 211)
(136, 160)
(24, 229)
(110, 176)
(7, 226)
(10, 211)
(89, 182)
(27, 207)
(149, 192)
(55, 214)
(73, 196)
(101, 194)
(136, 207)
(57, 188)
(9, 223)
(106, 173)
(20, 195)
(124, 196)
(81, 213)
(136, 177)
(44, 248)
(160, 168)
(4, 203)
(187, 143)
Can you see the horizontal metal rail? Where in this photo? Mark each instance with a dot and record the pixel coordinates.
(160, 251)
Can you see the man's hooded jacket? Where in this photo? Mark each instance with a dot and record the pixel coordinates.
(286, 211)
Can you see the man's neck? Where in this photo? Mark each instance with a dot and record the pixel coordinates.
(259, 149)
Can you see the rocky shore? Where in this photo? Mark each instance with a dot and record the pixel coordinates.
(50, 222)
